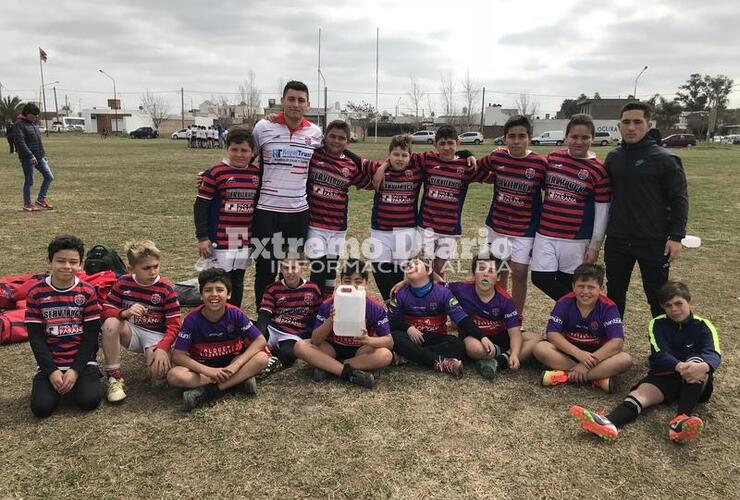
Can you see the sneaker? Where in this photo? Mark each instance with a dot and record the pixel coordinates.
(684, 428)
(605, 384)
(273, 366)
(398, 360)
(249, 386)
(44, 205)
(115, 390)
(594, 423)
(193, 398)
(487, 367)
(453, 366)
(319, 375)
(554, 377)
(30, 207)
(363, 379)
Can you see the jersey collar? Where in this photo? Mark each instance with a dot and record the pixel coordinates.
(281, 120)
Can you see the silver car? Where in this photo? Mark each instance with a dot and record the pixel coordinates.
(470, 138)
(423, 137)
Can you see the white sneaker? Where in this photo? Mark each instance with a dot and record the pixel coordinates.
(115, 390)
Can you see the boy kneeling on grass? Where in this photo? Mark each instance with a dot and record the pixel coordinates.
(684, 354)
(349, 357)
(218, 347)
(585, 335)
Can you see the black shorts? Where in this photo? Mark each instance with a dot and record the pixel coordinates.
(221, 362)
(670, 386)
(344, 352)
(502, 340)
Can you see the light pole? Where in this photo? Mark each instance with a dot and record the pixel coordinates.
(43, 96)
(318, 112)
(115, 102)
(634, 94)
(398, 102)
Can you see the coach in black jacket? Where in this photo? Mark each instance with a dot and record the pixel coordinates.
(649, 209)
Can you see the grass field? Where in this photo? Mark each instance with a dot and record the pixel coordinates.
(417, 435)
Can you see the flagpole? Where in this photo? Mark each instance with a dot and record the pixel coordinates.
(43, 93)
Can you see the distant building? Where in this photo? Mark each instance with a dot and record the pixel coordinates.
(494, 119)
(602, 109)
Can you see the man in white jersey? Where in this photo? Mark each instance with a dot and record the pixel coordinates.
(285, 146)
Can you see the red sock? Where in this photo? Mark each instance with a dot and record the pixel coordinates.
(116, 373)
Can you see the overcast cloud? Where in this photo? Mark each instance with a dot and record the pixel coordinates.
(553, 50)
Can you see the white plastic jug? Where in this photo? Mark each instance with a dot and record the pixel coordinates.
(691, 241)
(349, 311)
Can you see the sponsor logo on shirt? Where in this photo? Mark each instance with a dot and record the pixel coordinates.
(156, 298)
(529, 173)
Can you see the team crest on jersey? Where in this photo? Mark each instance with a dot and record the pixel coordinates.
(495, 311)
(432, 305)
(307, 140)
(460, 170)
(409, 173)
(529, 173)
(230, 327)
(594, 326)
(345, 172)
(255, 179)
(307, 298)
(79, 299)
(583, 174)
(156, 299)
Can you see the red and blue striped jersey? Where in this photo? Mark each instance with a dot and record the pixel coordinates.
(160, 298)
(232, 192)
(62, 314)
(445, 189)
(329, 180)
(395, 204)
(517, 199)
(493, 317)
(376, 322)
(572, 186)
(292, 309)
(602, 324)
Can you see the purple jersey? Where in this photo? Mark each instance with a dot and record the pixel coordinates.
(428, 313)
(376, 322)
(602, 324)
(493, 317)
(207, 341)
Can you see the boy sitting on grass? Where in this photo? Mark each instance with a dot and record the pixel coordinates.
(218, 347)
(350, 358)
(584, 335)
(684, 354)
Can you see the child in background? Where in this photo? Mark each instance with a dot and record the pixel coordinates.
(684, 355)
(218, 347)
(143, 315)
(63, 322)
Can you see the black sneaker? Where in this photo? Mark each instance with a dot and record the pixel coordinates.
(194, 398)
(273, 366)
(249, 386)
(319, 375)
(363, 379)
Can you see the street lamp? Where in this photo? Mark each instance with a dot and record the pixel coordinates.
(634, 94)
(324, 80)
(398, 102)
(115, 101)
(42, 95)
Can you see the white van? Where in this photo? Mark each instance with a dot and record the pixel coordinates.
(556, 137)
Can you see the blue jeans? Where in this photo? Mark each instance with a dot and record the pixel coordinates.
(43, 167)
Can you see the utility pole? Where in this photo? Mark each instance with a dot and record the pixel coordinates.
(56, 104)
(182, 108)
(482, 109)
(326, 121)
(377, 59)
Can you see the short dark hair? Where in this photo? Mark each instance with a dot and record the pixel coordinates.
(65, 242)
(647, 109)
(354, 266)
(485, 256)
(213, 275)
(295, 85)
(30, 109)
(339, 125)
(402, 141)
(518, 121)
(673, 289)
(581, 119)
(586, 272)
(240, 135)
(445, 132)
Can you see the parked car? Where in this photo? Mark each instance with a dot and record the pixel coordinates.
(680, 141)
(144, 133)
(423, 137)
(556, 137)
(499, 141)
(180, 134)
(470, 138)
(604, 139)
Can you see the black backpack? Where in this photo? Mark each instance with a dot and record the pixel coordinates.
(104, 258)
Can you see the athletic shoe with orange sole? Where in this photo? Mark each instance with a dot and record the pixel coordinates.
(685, 428)
(554, 377)
(594, 423)
(45, 205)
(605, 384)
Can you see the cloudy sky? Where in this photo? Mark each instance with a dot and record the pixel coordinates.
(550, 50)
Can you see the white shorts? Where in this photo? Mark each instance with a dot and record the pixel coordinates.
(141, 338)
(432, 244)
(514, 248)
(557, 254)
(229, 260)
(322, 242)
(276, 336)
(396, 246)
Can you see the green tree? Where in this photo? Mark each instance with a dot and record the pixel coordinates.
(363, 114)
(693, 93)
(10, 107)
(597, 95)
(717, 90)
(568, 108)
(667, 113)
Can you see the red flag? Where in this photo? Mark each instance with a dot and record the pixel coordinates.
(42, 54)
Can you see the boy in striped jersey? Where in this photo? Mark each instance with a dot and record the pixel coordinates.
(684, 354)
(143, 315)
(287, 311)
(224, 209)
(575, 211)
(517, 175)
(63, 321)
